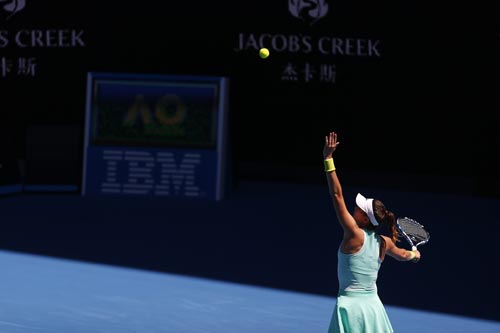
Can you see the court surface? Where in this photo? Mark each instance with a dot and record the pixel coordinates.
(45, 294)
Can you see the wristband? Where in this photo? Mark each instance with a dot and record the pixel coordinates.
(329, 166)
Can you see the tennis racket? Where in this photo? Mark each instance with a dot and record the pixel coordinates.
(412, 231)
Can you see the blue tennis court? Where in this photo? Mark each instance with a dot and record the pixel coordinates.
(43, 294)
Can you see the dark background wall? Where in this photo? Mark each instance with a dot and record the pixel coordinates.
(426, 105)
(420, 116)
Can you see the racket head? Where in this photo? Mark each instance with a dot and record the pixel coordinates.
(412, 231)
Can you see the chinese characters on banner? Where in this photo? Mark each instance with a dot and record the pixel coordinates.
(17, 66)
(308, 72)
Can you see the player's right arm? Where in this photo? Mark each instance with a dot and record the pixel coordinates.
(344, 217)
(399, 253)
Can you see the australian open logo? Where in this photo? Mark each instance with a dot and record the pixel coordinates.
(11, 7)
(310, 11)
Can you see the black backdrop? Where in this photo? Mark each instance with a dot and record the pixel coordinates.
(425, 108)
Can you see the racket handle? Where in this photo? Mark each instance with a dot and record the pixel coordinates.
(414, 248)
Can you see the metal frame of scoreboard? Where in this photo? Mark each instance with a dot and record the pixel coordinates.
(187, 168)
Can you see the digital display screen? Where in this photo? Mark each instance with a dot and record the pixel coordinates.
(154, 111)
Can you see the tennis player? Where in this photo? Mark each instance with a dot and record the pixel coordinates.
(358, 307)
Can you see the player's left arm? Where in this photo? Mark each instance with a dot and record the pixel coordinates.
(399, 253)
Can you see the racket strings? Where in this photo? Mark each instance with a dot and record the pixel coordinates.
(415, 231)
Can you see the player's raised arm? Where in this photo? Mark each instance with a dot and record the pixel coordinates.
(344, 217)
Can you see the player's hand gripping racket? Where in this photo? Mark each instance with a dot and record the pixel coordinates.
(412, 231)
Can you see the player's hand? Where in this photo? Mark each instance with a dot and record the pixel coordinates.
(331, 144)
(417, 256)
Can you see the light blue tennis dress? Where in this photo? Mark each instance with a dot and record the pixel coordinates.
(358, 308)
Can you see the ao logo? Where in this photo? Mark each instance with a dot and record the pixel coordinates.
(309, 11)
(12, 7)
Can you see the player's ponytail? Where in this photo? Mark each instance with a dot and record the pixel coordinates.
(386, 218)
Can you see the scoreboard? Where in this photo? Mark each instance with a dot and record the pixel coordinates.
(155, 135)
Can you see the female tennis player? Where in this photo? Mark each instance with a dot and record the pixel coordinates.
(358, 308)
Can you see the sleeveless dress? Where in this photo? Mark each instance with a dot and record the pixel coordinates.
(358, 307)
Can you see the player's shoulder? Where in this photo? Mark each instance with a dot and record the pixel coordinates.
(354, 232)
(387, 241)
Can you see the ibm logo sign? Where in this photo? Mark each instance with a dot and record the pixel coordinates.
(140, 172)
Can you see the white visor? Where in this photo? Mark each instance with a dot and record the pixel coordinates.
(366, 206)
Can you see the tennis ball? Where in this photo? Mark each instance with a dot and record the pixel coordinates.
(263, 53)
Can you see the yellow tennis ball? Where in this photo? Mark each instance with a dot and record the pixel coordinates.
(263, 53)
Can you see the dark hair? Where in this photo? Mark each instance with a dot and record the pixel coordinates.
(386, 218)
